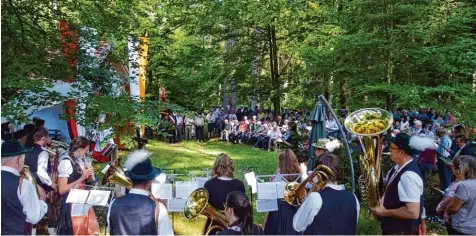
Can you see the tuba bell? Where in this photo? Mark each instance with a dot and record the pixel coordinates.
(197, 203)
(116, 174)
(295, 193)
(369, 124)
(26, 174)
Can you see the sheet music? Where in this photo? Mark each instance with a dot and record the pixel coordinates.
(176, 205)
(182, 189)
(266, 205)
(162, 191)
(201, 181)
(77, 196)
(251, 180)
(80, 209)
(280, 189)
(267, 190)
(98, 197)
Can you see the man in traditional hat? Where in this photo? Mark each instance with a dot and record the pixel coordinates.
(401, 207)
(324, 146)
(136, 213)
(22, 201)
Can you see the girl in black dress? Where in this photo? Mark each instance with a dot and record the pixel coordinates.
(239, 214)
(221, 184)
(280, 222)
(73, 170)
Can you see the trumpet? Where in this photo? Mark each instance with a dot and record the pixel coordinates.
(295, 193)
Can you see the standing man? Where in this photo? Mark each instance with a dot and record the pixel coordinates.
(179, 126)
(199, 120)
(188, 127)
(331, 126)
(332, 211)
(401, 206)
(39, 162)
(463, 148)
(136, 213)
(442, 153)
(22, 202)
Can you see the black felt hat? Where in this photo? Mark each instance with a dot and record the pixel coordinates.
(13, 148)
(402, 141)
(140, 167)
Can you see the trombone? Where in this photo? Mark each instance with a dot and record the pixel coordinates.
(295, 193)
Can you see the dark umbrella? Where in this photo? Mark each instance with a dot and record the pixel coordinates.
(318, 119)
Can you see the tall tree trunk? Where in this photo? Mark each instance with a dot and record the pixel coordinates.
(343, 98)
(255, 64)
(229, 44)
(274, 66)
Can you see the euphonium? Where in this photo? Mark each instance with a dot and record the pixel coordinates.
(197, 203)
(295, 193)
(369, 124)
(26, 174)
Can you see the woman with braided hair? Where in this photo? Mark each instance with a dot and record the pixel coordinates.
(73, 170)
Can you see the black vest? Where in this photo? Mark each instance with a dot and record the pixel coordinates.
(133, 214)
(392, 201)
(338, 214)
(31, 160)
(13, 218)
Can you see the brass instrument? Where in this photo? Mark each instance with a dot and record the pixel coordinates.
(369, 124)
(53, 196)
(295, 193)
(115, 174)
(197, 203)
(26, 174)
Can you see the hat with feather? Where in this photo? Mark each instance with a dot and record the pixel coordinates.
(139, 166)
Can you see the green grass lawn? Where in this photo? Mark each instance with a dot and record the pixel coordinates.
(190, 156)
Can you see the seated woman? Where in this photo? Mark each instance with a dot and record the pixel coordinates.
(280, 222)
(462, 207)
(221, 184)
(73, 170)
(449, 194)
(239, 214)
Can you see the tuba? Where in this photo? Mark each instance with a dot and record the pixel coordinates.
(369, 124)
(115, 174)
(26, 174)
(295, 193)
(197, 203)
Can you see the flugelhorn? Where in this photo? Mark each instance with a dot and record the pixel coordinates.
(295, 193)
(197, 203)
(369, 124)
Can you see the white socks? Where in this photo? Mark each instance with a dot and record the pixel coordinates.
(51, 231)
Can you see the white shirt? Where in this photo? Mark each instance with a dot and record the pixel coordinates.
(42, 170)
(33, 207)
(199, 120)
(310, 208)
(65, 169)
(164, 227)
(410, 186)
(274, 134)
(188, 121)
(179, 120)
(332, 125)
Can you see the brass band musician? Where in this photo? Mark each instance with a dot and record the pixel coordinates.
(136, 213)
(22, 201)
(333, 210)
